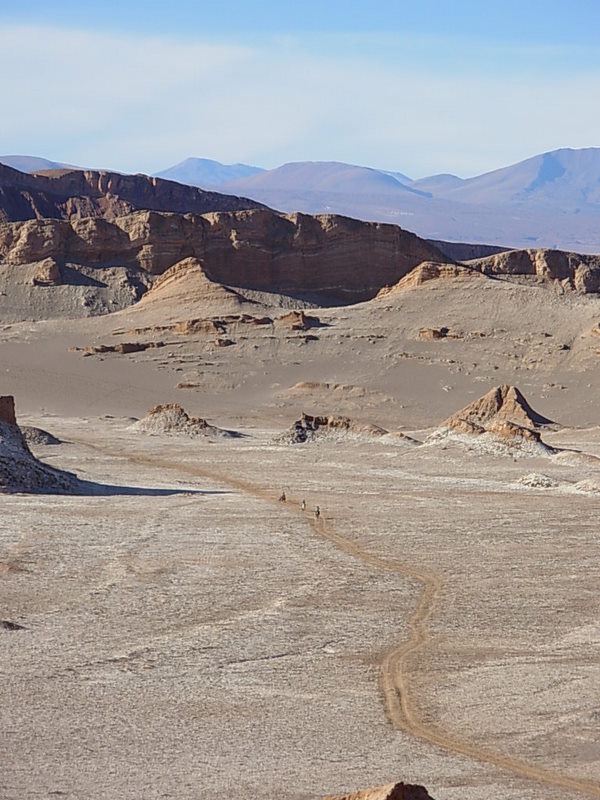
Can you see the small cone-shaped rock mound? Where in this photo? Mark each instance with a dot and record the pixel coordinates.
(172, 418)
(502, 421)
(503, 404)
(20, 470)
(392, 791)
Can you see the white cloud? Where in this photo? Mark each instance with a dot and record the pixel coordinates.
(143, 103)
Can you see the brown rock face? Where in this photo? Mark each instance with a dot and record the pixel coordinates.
(63, 194)
(578, 272)
(7, 409)
(334, 258)
(392, 791)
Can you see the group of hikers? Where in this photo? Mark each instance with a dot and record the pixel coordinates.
(317, 510)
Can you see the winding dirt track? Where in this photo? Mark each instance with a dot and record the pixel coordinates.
(394, 668)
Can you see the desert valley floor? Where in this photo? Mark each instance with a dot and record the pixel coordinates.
(172, 629)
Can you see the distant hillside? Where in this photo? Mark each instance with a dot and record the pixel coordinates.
(325, 177)
(63, 194)
(551, 200)
(32, 163)
(204, 172)
(565, 179)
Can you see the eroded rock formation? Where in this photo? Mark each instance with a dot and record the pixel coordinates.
(572, 270)
(499, 421)
(310, 427)
(20, 470)
(500, 404)
(392, 791)
(425, 272)
(298, 321)
(171, 418)
(335, 258)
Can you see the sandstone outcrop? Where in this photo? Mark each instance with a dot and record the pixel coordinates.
(427, 271)
(310, 427)
(186, 287)
(47, 273)
(298, 321)
(122, 347)
(501, 404)
(392, 791)
(572, 270)
(432, 334)
(499, 421)
(192, 327)
(336, 259)
(171, 418)
(20, 470)
(67, 193)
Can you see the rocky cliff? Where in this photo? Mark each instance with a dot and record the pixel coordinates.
(333, 258)
(64, 194)
(573, 270)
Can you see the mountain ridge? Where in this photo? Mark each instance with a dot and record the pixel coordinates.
(66, 193)
(551, 200)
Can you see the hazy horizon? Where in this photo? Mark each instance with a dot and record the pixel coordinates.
(139, 87)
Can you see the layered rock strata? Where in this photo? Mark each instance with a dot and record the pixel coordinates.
(573, 270)
(333, 257)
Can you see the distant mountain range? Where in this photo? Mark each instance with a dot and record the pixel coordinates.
(205, 173)
(33, 163)
(551, 200)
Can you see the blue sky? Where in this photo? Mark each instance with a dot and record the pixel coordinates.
(419, 87)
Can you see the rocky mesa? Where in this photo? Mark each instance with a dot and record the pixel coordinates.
(337, 259)
(571, 270)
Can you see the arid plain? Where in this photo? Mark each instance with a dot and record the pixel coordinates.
(173, 629)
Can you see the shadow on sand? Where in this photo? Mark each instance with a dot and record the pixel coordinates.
(91, 489)
(82, 488)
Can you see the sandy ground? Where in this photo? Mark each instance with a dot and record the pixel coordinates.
(185, 633)
(190, 633)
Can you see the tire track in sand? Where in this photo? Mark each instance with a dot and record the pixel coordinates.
(394, 668)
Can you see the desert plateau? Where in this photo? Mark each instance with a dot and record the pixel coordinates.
(293, 506)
